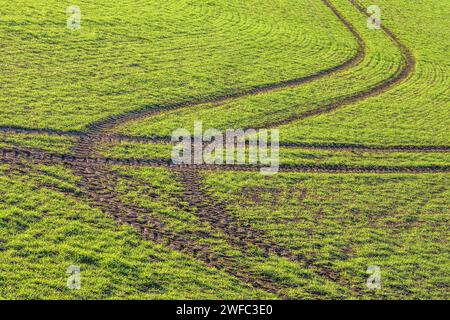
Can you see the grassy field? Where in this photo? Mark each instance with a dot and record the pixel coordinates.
(50, 143)
(411, 114)
(130, 55)
(416, 112)
(349, 222)
(86, 171)
(46, 226)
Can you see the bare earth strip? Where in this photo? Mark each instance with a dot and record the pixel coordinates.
(48, 158)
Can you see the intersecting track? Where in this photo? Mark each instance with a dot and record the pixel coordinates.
(237, 234)
(98, 180)
(94, 185)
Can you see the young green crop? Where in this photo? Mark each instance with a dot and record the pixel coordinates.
(381, 62)
(150, 54)
(51, 143)
(349, 222)
(416, 112)
(46, 226)
(130, 55)
(158, 191)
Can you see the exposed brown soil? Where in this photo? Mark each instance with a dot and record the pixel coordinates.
(52, 132)
(42, 157)
(116, 138)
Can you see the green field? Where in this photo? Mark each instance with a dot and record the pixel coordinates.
(87, 177)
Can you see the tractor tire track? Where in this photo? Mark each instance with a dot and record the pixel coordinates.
(406, 71)
(242, 235)
(117, 139)
(99, 182)
(102, 127)
(91, 175)
(98, 187)
(239, 234)
(47, 158)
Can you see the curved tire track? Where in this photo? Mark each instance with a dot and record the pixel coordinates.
(406, 71)
(242, 235)
(91, 174)
(217, 215)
